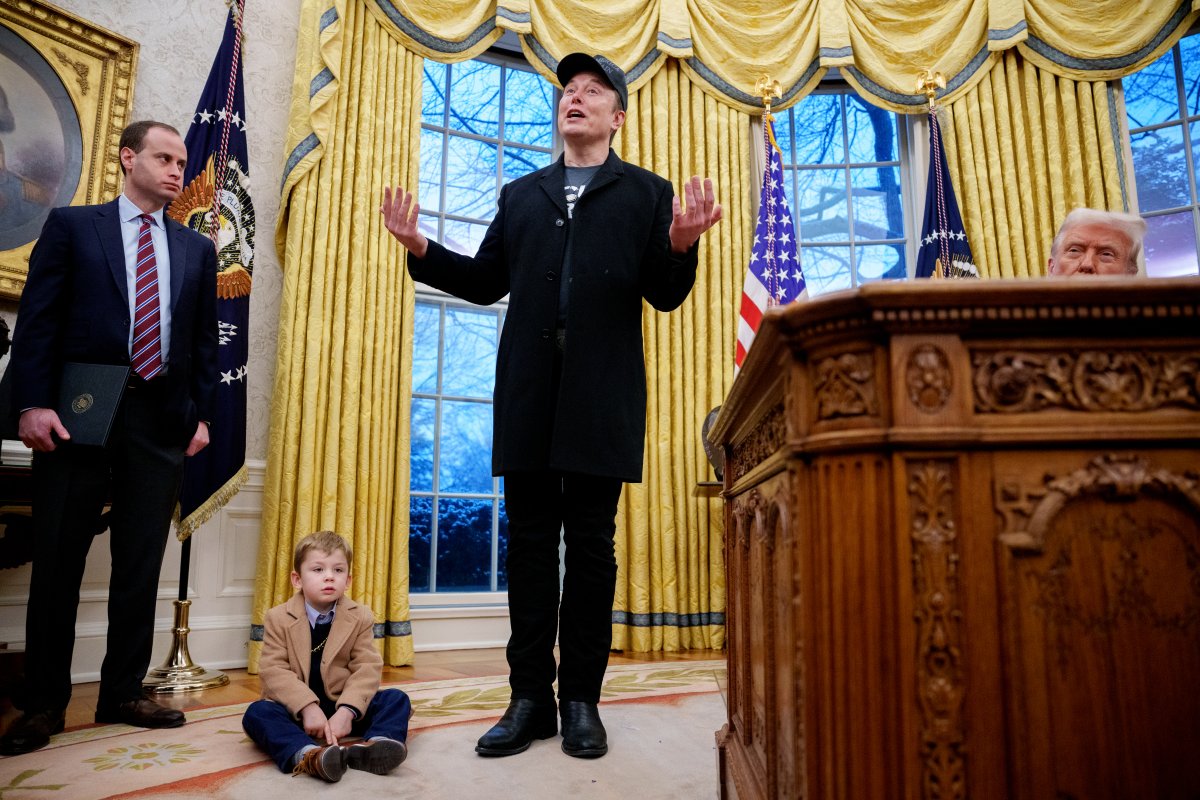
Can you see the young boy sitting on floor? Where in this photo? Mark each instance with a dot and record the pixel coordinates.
(320, 675)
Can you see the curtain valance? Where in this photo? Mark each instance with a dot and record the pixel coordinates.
(879, 45)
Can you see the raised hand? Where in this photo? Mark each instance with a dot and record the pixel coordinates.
(701, 213)
(400, 218)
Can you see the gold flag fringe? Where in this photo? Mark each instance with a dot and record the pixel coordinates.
(186, 527)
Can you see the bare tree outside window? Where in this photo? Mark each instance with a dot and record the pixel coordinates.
(484, 123)
(1162, 106)
(842, 160)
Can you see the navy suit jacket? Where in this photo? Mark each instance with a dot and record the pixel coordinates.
(75, 307)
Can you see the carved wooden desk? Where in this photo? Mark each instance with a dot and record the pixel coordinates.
(963, 544)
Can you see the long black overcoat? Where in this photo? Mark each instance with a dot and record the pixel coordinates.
(620, 253)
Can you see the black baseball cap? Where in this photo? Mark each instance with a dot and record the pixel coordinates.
(575, 63)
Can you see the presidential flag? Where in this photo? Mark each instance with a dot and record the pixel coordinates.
(216, 202)
(944, 250)
(774, 277)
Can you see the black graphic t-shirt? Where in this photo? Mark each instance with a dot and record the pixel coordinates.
(577, 181)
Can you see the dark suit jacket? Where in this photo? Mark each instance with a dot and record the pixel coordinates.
(75, 308)
(620, 253)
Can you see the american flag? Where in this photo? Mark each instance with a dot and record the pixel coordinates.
(944, 251)
(774, 277)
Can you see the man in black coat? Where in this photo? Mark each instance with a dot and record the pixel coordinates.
(576, 246)
(120, 284)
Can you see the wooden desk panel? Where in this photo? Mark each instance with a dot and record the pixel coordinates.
(963, 544)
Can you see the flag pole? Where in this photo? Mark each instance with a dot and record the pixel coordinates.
(929, 81)
(179, 673)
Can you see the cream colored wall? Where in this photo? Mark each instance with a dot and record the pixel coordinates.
(179, 39)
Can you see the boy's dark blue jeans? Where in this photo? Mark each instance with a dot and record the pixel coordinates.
(279, 734)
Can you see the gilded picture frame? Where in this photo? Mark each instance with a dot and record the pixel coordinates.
(69, 95)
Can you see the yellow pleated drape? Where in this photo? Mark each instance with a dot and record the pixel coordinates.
(670, 577)
(339, 412)
(1024, 148)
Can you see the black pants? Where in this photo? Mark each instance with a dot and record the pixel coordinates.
(140, 471)
(584, 507)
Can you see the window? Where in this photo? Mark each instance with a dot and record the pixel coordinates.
(842, 162)
(484, 123)
(458, 532)
(1162, 105)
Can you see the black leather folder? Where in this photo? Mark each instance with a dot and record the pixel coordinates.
(88, 397)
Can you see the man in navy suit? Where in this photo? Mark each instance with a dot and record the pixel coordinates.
(118, 283)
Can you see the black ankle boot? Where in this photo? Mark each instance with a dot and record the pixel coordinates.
(523, 722)
(583, 732)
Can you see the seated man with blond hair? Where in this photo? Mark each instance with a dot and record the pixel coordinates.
(1095, 242)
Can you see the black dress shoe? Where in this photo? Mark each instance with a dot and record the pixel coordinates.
(523, 722)
(31, 731)
(142, 713)
(583, 732)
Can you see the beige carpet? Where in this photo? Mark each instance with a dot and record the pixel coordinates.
(661, 721)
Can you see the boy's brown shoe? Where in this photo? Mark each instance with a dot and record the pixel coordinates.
(379, 756)
(326, 763)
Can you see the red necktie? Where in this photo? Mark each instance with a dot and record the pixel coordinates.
(147, 335)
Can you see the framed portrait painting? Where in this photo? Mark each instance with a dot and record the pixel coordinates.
(66, 89)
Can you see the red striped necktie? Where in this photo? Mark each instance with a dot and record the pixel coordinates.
(147, 332)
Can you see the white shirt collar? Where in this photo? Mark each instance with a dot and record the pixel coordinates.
(130, 212)
(316, 617)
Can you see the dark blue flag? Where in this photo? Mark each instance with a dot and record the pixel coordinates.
(216, 202)
(944, 251)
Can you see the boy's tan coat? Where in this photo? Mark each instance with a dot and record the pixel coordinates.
(351, 666)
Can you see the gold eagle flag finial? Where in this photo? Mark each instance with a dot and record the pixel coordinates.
(767, 88)
(928, 82)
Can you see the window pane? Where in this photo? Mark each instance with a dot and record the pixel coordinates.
(878, 212)
(428, 224)
(502, 550)
(463, 237)
(1150, 93)
(819, 130)
(430, 195)
(425, 348)
(823, 211)
(520, 161)
(465, 451)
(1160, 168)
(826, 268)
(475, 98)
(876, 261)
(433, 93)
(872, 132)
(1194, 187)
(464, 557)
(421, 459)
(420, 542)
(470, 357)
(1171, 245)
(528, 108)
(471, 178)
(783, 124)
(1190, 49)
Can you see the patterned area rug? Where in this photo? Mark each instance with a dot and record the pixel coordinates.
(661, 721)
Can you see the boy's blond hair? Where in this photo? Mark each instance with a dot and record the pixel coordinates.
(325, 541)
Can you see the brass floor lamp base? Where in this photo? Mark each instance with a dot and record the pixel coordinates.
(178, 673)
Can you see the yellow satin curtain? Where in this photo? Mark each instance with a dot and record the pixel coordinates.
(1024, 148)
(671, 578)
(339, 412)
